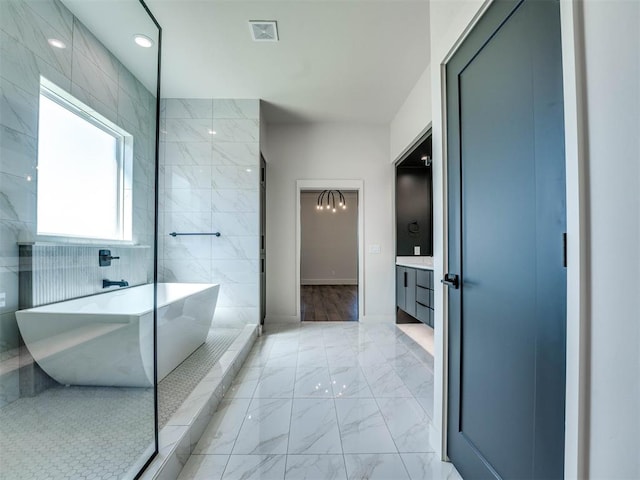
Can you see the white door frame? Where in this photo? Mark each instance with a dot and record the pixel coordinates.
(352, 185)
(577, 340)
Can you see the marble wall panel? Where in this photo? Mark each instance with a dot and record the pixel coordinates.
(210, 183)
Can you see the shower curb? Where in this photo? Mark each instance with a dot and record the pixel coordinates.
(179, 437)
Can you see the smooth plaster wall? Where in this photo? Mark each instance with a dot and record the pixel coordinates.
(329, 242)
(413, 119)
(330, 151)
(612, 47)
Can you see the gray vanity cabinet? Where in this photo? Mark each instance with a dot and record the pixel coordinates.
(406, 289)
(414, 293)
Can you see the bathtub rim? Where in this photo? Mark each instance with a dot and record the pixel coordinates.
(41, 309)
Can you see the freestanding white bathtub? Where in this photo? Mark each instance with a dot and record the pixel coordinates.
(107, 339)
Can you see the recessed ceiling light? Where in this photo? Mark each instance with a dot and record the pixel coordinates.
(212, 132)
(264, 30)
(143, 40)
(54, 42)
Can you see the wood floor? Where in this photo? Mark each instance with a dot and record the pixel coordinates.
(323, 303)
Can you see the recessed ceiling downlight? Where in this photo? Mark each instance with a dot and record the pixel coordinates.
(143, 40)
(264, 30)
(54, 42)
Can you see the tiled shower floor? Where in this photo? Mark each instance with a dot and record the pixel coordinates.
(325, 401)
(95, 432)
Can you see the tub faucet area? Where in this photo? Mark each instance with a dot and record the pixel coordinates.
(109, 283)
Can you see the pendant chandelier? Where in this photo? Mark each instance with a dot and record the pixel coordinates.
(327, 200)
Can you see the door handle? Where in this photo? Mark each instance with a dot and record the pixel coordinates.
(405, 280)
(451, 280)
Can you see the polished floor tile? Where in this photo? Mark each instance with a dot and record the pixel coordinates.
(427, 466)
(204, 467)
(266, 427)
(255, 467)
(313, 382)
(314, 427)
(222, 431)
(362, 427)
(315, 467)
(325, 401)
(375, 467)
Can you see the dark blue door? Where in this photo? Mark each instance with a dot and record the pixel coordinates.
(506, 224)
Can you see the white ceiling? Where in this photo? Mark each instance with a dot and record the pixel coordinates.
(341, 60)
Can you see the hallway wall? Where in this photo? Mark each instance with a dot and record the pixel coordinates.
(331, 151)
(329, 242)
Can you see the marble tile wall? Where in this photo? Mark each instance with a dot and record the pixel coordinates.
(210, 182)
(93, 75)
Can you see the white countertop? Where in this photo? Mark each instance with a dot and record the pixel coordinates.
(423, 263)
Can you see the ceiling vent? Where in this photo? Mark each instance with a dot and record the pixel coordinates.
(264, 30)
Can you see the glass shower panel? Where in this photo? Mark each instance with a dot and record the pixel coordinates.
(78, 140)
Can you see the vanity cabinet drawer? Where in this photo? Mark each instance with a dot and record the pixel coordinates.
(424, 296)
(424, 314)
(425, 278)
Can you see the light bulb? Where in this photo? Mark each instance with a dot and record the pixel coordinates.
(344, 207)
(334, 210)
(340, 204)
(143, 40)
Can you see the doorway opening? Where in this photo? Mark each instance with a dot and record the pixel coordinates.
(329, 255)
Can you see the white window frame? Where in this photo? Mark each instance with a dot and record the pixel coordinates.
(124, 156)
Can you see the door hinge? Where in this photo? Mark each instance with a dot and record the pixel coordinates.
(564, 249)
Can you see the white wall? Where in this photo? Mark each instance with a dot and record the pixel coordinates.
(329, 242)
(413, 118)
(331, 151)
(612, 47)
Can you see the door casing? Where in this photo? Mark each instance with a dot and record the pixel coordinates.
(354, 185)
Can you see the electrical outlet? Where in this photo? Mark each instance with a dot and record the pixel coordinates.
(374, 249)
(416, 250)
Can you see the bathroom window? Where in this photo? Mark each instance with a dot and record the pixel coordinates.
(83, 186)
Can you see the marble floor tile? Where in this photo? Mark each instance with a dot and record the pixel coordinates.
(325, 400)
(362, 427)
(375, 467)
(221, 433)
(255, 467)
(279, 359)
(312, 383)
(342, 356)
(349, 382)
(314, 427)
(276, 383)
(427, 466)
(244, 385)
(312, 357)
(266, 427)
(385, 382)
(407, 422)
(315, 467)
(204, 467)
(418, 381)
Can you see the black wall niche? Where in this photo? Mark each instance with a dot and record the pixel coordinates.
(414, 211)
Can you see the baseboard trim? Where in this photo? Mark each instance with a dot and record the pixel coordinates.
(329, 281)
(271, 319)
